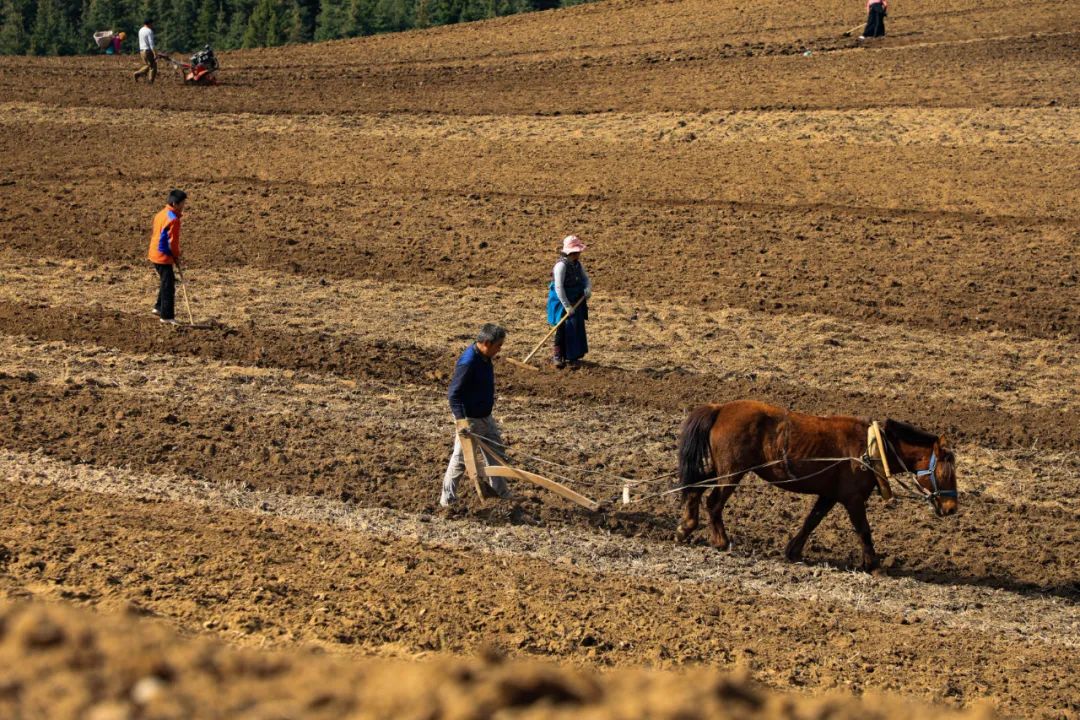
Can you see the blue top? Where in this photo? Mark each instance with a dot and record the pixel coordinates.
(472, 389)
(574, 283)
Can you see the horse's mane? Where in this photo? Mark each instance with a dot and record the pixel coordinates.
(908, 433)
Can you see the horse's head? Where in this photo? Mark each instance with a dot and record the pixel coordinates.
(939, 479)
(931, 461)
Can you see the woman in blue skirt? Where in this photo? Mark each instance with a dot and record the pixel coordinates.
(570, 284)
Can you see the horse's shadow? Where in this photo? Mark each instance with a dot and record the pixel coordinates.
(1067, 589)
(951, 577)
(648, 525)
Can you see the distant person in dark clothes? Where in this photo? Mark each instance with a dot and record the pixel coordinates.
(164, 252)
(569, 284)
(875, 18)
(472, 399)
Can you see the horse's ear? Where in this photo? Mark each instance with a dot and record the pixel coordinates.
(942, 443)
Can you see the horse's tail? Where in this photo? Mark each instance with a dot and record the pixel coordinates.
(694, 452)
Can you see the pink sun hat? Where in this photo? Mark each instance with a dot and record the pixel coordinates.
(572, 244)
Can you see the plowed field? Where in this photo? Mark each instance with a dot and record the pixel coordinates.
(885, 231)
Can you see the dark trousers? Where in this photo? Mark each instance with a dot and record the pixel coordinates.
(166, 292)
(875, 21)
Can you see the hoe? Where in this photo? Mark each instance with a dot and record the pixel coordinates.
(525, 363)
(187, 301)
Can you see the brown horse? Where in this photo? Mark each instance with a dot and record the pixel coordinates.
(719, 444)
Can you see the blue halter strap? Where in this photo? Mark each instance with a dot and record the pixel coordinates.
(932, 472)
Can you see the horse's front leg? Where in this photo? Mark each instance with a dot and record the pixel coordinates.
(691, 508)
(821, 508)
(856, 508)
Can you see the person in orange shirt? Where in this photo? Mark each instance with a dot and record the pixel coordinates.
(165, 253)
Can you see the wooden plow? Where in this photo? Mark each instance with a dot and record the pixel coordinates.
(478, 470)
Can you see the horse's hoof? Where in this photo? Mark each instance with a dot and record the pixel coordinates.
(721, 545)
(682, 536)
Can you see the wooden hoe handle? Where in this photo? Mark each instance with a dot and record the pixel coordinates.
(551, 332)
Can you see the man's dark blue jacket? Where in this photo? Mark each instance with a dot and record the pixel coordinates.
(472, 390)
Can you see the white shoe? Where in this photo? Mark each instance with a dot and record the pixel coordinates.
(861, 38)
(156, 311)
(170, 321)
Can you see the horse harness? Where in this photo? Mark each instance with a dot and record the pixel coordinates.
(876, 460)
(876, 455)
(875, 445)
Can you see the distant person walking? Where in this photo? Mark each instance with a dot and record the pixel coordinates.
(148, 52)
(165, 253)
(569, 284)
(472, 398)
(875, 18)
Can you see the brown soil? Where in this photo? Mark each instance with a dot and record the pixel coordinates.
(122, 667)
(855, 231)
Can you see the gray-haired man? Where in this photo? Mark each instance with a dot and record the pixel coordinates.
(472, 398)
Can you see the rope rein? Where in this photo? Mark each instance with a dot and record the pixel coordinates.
(612, 480)
(930, 471)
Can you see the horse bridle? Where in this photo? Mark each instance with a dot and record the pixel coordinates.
(931, 471)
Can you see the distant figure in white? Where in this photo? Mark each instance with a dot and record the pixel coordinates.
(147, 52)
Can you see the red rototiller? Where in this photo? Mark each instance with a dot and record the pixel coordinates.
(202, 70)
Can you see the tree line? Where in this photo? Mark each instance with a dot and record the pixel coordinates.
(66, 27)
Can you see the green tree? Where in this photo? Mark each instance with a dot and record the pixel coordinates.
(512, 7)
(298, 23)
(52, 33)
(476, 10)
(238, 23)
(13, 37)
(390, 16)
(205, 23)
(221, 26)
(360, 20)
(182, 20)
(331, 20)
(435, 12)
(264, 27)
